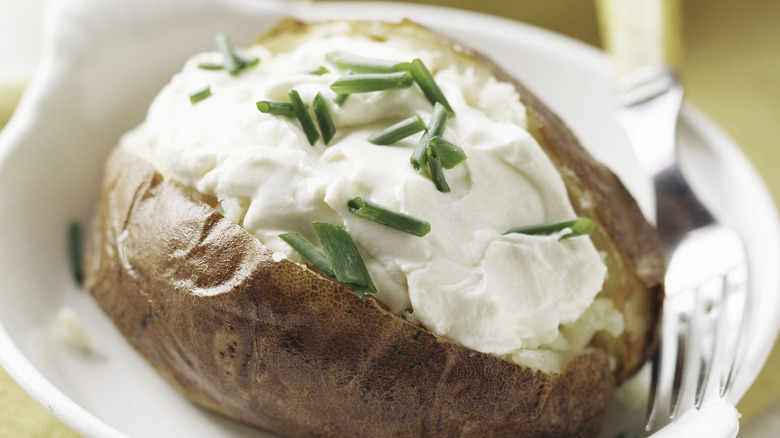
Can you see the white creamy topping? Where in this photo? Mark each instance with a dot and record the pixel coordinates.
(464, 280)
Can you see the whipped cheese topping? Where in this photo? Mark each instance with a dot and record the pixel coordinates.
(465, 280)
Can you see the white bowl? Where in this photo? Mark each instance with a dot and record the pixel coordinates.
(103, 62)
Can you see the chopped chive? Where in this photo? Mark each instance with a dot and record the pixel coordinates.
(229, 63)
(437, 173)
(402, 66)
(247, 62)
(385, 216)
(303, 116)
(424, 79)
(435, 129)
(365, 83)
(306, 249)
(318, 71)
(200, 95)
(359, 64)
(577, 227)
(581, 227)
(206, 66)
(233, 62)
(323, 118)
(276, 108)
(76, 251)
(340, 99)
(344, 257)
(398, 132)
(451, 155)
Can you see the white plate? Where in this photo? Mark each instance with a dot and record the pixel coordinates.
(103, 62)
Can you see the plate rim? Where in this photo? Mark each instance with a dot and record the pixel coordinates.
(76, 417)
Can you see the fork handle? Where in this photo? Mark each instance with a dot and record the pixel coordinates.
(641, 33)
(673, 194)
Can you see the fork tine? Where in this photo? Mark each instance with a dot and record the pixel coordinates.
(736, 310)
(707, 344)
(725, 376)
(655, 372)
(684, 332)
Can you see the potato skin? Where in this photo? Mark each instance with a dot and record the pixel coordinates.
(278, 346)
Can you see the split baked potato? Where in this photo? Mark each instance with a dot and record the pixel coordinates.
(280, 345)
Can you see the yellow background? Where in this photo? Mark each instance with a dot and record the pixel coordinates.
(731, 72)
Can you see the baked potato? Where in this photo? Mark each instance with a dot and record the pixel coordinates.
(270, 339)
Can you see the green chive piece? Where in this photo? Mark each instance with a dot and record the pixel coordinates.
(206, 66)
(323, 118)
(303, 116)
(318, 71)
(276, 108)
(347, 263)
(365, 83)
(451, 155)
(340, 99)
(424, 79)
(402, 66)
(307, 250)
(200, 95)
(385, 216)
(359, 64)
(398, 132)
(578, 227)
(247, 62)
(76, 251)
(437, 173)
(230, 63)
(435, 129)
(233, 62)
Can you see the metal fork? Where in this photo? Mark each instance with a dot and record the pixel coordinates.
(706, 260)
(706, 278)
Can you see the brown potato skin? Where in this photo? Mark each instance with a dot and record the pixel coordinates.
(278, 346)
